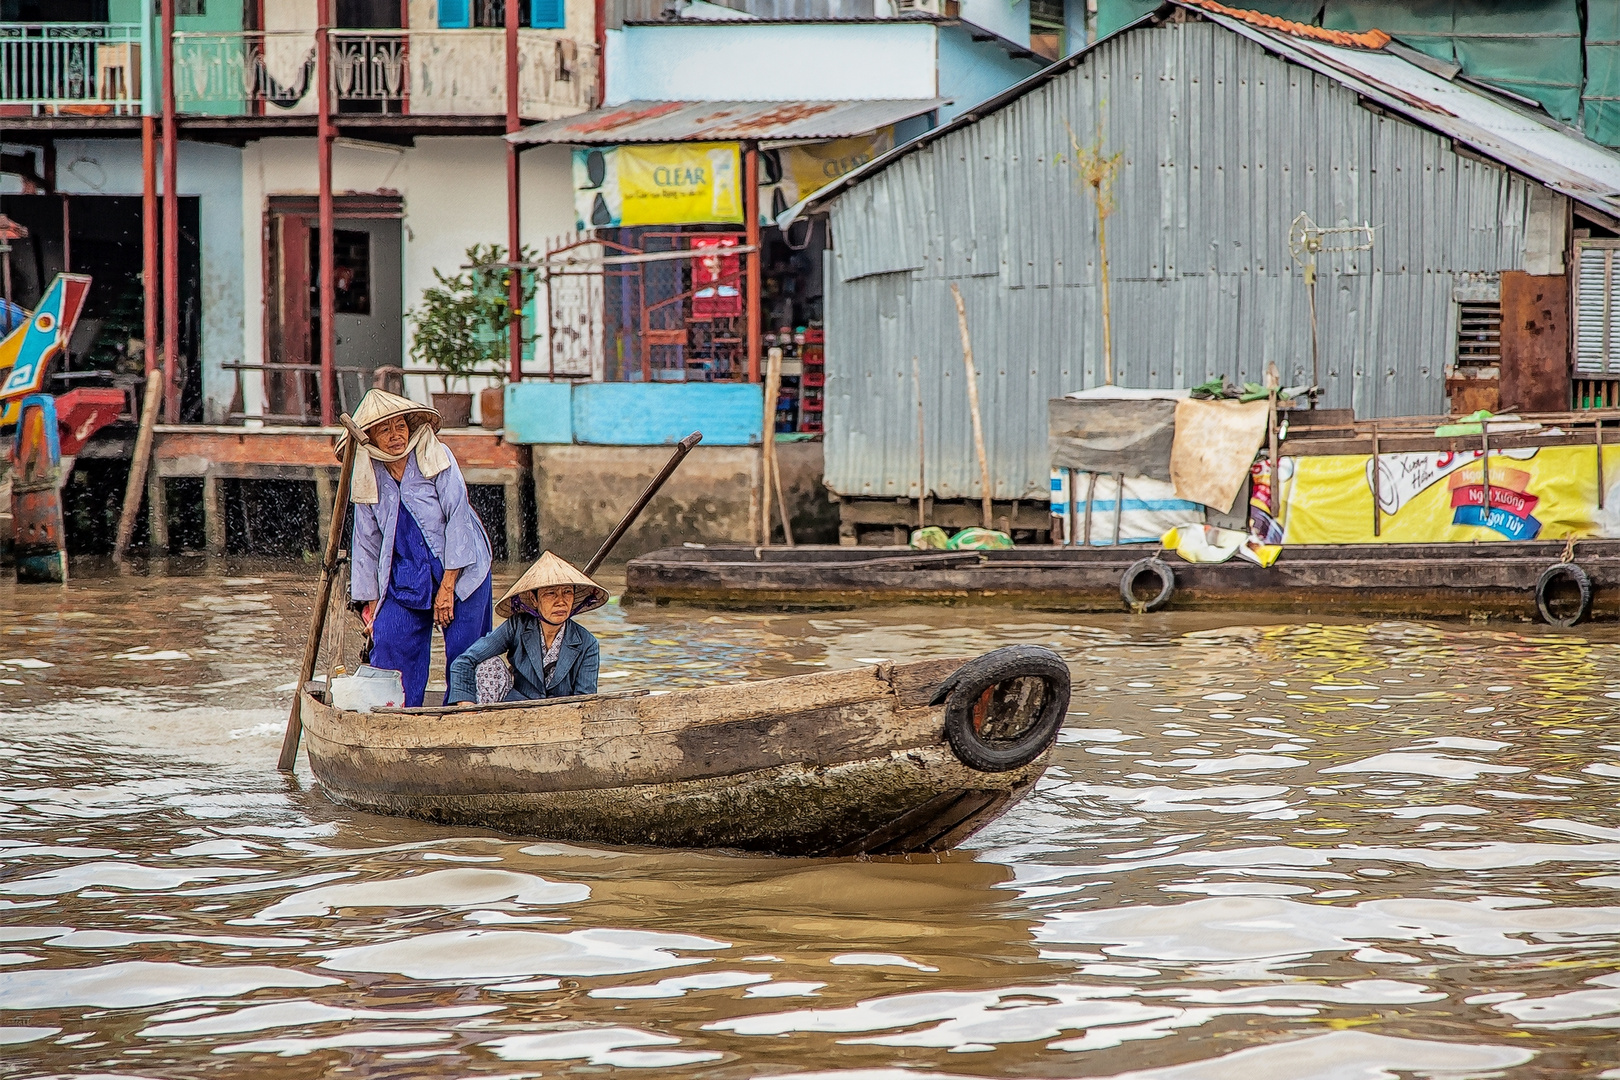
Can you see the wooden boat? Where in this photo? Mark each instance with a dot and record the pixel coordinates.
(887, 758)
(1494, 579)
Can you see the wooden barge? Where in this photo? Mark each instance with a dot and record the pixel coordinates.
(1490, 579)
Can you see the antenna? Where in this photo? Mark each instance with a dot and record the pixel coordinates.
(1307, 240)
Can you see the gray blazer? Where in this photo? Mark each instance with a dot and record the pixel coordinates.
(520, 641)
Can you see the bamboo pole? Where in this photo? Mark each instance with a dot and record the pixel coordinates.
(323, 598)
(1600, 461)
(1377, 488)
(767, 441)
(922, 447)
(973, 404)
(136, 484)
(781, 499)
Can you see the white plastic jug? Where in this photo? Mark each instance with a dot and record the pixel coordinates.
(369, 688)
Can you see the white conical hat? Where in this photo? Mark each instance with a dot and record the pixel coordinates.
(380, 405)
(549, 570)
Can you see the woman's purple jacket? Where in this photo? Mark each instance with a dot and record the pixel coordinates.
(441, 510)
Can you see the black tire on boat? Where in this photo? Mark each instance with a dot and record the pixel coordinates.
(1003, 709)
(1151, 565)
(1549, 577)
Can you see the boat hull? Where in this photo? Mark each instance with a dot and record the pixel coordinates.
(1487, 579)
(837, 763)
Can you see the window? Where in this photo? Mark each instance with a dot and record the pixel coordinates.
(181, 7)
(1597, 272)
(1479, 333)
(540, 14)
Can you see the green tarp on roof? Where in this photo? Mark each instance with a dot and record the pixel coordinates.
(1533, 48)
(1600, 100)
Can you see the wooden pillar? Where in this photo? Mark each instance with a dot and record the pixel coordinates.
(323, 501)
(514, 239)
(149, 238)
(171, 226)
(157, 513)
(325, 135)
(67, 236)
(213, 513)
(514, 518)
(751, 218)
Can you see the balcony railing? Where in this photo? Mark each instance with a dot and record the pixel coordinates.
(413, 72)
(71, 68)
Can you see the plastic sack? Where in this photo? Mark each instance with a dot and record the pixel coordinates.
(1209, 544)
(929, 539)
(976, 539)
(368, 689)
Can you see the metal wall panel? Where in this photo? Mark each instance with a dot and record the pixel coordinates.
(1223, 144)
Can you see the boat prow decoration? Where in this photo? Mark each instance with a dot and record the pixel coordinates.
(26, 353)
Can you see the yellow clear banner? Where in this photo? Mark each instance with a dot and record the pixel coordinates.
(680, 184)
(1537, 493)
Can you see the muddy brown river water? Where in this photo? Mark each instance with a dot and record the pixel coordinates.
(1264, 850)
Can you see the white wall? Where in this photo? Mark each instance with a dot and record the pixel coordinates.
(1009, 18)
(454, 193)
(113, 167)
(770, 62)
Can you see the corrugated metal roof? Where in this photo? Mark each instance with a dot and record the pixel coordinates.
(719, 121)
(1556, 156)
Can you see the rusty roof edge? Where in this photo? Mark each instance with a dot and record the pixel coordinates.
(616, 123)
(992, 104)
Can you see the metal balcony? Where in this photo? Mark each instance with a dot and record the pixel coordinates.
(400, 72)
(83, 69)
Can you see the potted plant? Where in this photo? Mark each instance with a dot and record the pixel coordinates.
(462, 326)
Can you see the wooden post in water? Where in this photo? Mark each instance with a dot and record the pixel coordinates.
(139, 463)
(922, 447)
(1378, 510)
(323, 597)
(767, 439)
(973, 403)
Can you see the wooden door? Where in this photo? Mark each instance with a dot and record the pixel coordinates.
(1535, 342)
(292, 393)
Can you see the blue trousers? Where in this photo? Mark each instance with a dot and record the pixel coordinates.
(402, 638)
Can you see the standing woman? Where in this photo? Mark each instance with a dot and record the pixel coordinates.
(421, 556)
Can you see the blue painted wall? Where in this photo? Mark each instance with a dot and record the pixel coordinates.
(635, 414)
(970, 71)
(538, 412)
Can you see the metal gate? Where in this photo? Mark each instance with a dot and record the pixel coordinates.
(650, 306)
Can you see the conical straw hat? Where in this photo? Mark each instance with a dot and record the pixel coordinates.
(549, 570)
(380, 405)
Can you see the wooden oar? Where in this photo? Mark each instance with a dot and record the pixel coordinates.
(323, 597)
(682, 448)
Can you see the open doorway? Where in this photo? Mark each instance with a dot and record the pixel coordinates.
(100, 235)
(368, 294)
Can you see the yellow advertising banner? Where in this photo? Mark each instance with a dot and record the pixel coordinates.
(680, 184)
(1536, 493)
(805, 169)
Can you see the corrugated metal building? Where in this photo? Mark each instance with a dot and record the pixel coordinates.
(1227, 130)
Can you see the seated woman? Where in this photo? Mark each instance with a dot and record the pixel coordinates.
(421, 558)
(551, 655)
